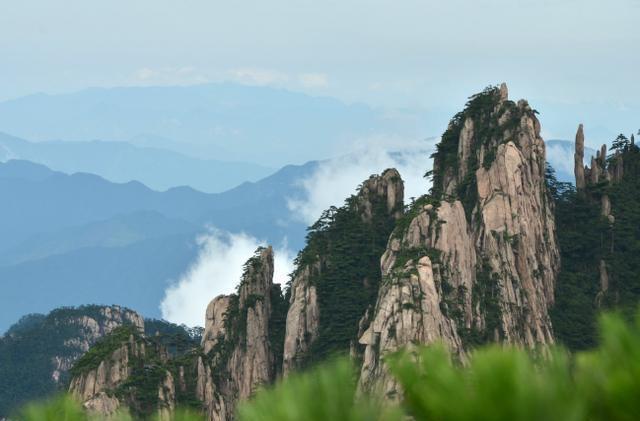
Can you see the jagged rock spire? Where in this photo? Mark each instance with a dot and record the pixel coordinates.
(579, 159)
(239, 354)
(504, 92)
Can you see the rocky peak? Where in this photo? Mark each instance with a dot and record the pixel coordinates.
(214, 322)
(94, 378)
(114, 372)
(93, 325)
(504, 92)
(579, 158)
(477, 260)
(56, 341)
(240, 340)
(595, 181)
(330, 290)
(387, 187)
(603, 169)
(141, 375)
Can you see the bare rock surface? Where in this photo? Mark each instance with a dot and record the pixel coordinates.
(479, 261)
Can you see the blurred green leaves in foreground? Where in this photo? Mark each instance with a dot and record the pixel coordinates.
(496, 383)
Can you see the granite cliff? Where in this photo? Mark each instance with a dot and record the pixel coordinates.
(475, 260)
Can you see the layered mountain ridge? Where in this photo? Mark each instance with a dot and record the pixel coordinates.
(476, 260)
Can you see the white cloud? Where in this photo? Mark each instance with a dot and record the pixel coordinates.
(314, 80)
(560, 157)
(185, 75)
(216, 270)
(336, 179)
(260, 77)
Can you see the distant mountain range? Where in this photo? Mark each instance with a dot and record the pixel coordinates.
(225, 121)
(73, 239)
(76, 239)
(120, 162)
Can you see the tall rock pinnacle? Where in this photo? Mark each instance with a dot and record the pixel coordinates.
(579, 159)
(239, 340)
(476, 261)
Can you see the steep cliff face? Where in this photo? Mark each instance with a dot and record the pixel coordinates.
(240, 340)
(90, 330)
(95, 379)
(337, 275)
(214, 322)
(475, 261)
(138, 374)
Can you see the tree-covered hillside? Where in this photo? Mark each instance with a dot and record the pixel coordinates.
(343, 249)
(600, 254)
(36, 352)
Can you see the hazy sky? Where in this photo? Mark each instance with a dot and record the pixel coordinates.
(393, 53)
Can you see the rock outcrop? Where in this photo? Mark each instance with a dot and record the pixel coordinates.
(93, 325)
(375, 208)
(476, 261)
(130, 372)
(214, 322)
(303, 317)
(240, 355)
(93, 385)
(46, 347)
(95, 379)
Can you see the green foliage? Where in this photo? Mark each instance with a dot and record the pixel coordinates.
(496, 383)
(27, 351)
(65, 408)
(486, 297)
(103, 349)
(494, 123)
(324, 393)
(148, 370)
(343, 253)
(147, 374)
(609, 376)
(579, 227)
(411, 211)
(277, 325)
(585, 238)
(620, 143)
(509, 384)
(235, 322)
(177, 339)
(61, 408)
(621, 241)
(480, 108)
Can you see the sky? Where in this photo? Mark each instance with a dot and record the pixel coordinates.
(575, 60)
(406, 53)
